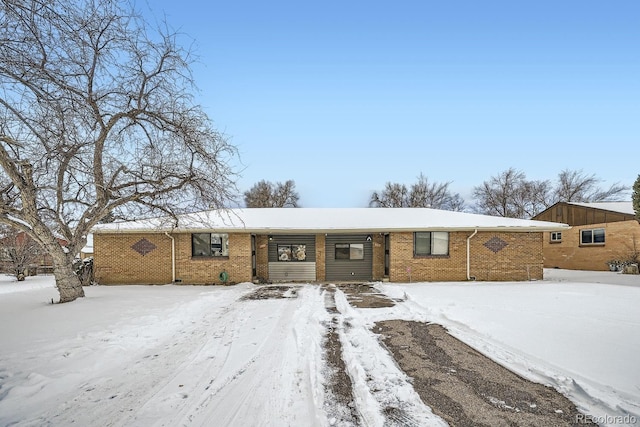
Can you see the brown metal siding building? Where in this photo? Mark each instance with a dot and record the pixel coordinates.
(601, 232)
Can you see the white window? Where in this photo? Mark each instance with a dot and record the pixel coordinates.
(556, 236)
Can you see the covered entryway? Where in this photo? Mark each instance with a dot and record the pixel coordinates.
(349, 257)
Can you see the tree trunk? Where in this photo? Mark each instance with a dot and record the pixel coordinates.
(67, 282)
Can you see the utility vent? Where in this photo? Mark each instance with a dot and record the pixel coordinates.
(495, 244)
(143, 246)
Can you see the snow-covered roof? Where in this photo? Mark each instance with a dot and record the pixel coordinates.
(325, 220)
(621, 207)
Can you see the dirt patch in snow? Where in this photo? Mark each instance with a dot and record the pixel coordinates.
(466, 388)
(273, 292)
(458, 383)
(364, 295)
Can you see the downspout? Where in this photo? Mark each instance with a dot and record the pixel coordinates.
(469, 254)
(173, 257)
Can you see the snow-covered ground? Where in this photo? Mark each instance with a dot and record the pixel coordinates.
(187, 355)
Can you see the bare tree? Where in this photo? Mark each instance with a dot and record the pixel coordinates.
(425, 194)
(19, 249)
(577, 186)
(503, 195)
(97, 117)
(259, 196)
(422, 194)
(510, 194)
(394, 195)
(266, 194)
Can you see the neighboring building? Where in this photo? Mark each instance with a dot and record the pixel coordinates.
(601, 232)
(319, 245)
(40, 261)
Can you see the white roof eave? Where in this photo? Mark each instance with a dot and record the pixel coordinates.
(327, 220)
(282, 230)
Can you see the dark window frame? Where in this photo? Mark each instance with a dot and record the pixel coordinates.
(210, 250)
(291, 252)
(430, 253)
(346, 252)
(594, 237)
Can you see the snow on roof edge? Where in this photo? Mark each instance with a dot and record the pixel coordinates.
(328, 220)
(623, 207)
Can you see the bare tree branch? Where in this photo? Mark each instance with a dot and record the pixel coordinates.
(510, 194)
(577, 186)
(97, 116)
(265, 194)
(19, 251)
(422, 194)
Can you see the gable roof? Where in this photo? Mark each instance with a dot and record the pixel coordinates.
(325, 220)
(621, 207)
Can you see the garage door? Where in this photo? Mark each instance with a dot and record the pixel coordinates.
(348, 257)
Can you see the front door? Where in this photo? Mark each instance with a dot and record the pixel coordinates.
(387, 260)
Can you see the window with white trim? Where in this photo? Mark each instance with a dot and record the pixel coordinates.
(556, 236)
(593, 236)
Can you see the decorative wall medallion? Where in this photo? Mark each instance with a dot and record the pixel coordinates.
(495, 244)
(143, 246)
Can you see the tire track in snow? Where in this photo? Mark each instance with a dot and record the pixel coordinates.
(109, 396)
(383, 393)
(265, 377)
(338, 390)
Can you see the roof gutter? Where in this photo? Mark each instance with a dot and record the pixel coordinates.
(173, 257)
(469, 254)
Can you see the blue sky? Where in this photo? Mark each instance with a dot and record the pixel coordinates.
(343, 96)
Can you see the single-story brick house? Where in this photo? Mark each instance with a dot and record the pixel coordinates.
(600, 232)
(318, 245)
